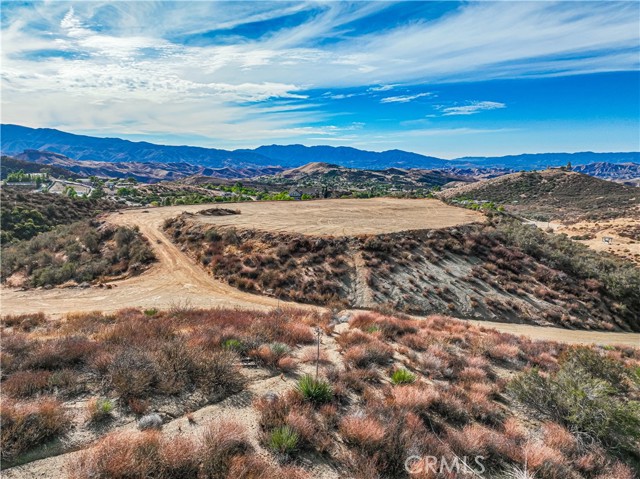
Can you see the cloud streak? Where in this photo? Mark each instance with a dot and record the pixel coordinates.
(472, 108)
(403, 98)
(215, 69)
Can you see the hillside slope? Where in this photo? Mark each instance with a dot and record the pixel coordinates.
(553, 194)
(149, 172)
(501, 272)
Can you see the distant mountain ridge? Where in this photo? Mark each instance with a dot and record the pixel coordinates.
(16, 139)
(148, 172)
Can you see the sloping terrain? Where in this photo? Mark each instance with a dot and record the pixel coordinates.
(553, 194)
(151, 172)
(502, 272)
(194, 394)
(9, 164)
(25, 213)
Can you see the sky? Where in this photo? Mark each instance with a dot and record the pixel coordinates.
(446, 79)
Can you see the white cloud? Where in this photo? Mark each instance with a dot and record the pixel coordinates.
(149, 67)
(403, 98)
(472, 108)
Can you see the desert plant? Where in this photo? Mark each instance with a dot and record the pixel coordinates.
(577, 398)
(283, 440)
(27, 425)
(98, 409)
(402, 376)
(314, 390)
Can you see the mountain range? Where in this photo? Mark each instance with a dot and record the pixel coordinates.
(16, 139)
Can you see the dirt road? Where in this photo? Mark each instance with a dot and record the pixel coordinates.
(176, 280)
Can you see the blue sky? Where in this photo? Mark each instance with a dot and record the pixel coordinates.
(441, 78)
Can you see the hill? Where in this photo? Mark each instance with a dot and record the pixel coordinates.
(227, 393)
(623, 172)
(26, 214)
(149, 172)
(552, 194)
(504, 271)
(9, 165)
(16, 139)
(538, 161)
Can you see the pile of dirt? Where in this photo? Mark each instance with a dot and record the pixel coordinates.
(219, 212)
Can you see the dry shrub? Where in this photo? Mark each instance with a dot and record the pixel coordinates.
(472, 440)
(413, 341)
(23, 322)
(134, 374)
(302, 424)
(376, 352)
(558, 437)
(472, 375)
(414, 397)
(27, 383)
(618, 471)
(123, 455)
(287, 364)
(61, 353)
(363, 432)
(274, 408)
(221, 441)
(138, 406)
(310, 355)
(540, 456)
(30, 424)
(251, 466)
(504, 352)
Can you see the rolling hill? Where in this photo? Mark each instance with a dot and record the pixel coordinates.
(149, 172)
(552, 194)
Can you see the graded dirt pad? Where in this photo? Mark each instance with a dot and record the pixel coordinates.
(175, 280)
(346, 217)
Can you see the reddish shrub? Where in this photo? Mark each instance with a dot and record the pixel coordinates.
(27, 383)
(363, 432)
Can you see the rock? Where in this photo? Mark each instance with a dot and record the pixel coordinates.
(84, 285)
(150, 421)
(48, 286)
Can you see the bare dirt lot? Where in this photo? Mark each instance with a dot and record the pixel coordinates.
(346, 217)
(176, 280)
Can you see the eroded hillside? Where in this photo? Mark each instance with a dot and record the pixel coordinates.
(502, 271)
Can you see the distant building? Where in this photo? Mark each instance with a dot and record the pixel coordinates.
(295, 194)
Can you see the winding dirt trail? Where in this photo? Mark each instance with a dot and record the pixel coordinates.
(177, 280)
(173, 280)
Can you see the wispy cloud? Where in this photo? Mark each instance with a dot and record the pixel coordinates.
(161, 68)
(404, 98)
(472, 108)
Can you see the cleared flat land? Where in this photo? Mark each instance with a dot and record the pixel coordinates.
(176, 280)
(346, 217)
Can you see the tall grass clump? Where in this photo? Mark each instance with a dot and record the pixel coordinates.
(402, 376)
(284, 440)
(314, 390)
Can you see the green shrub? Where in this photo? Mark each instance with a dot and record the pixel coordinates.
(99, 409)
(283, 440)
(581, 397)
(402, 376)
(315, 390)
(150, 312)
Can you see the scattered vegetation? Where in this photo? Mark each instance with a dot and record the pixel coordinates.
(545, 409)
(80, 252)
(314, 390)
(26, 214)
